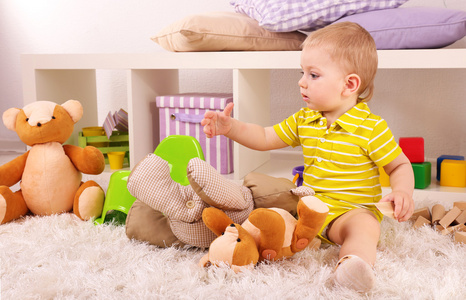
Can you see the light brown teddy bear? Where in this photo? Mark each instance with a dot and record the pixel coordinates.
(49, 173)
(267, 234)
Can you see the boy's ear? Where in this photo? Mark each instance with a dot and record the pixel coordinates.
(352, 84)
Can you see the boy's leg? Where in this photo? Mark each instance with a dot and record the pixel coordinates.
(358, 232)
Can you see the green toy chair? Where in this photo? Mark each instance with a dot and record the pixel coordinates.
(177, 150)
(118, 200)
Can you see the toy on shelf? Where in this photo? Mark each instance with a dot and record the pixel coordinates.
(446, 222)
(384, 178)
(116, 122)
(267, 234)
(413, 148)
(422, 174)
(181, 114)
(298, 175)
(441, 158)
(118, 142)
(453, 173)
(50, 173)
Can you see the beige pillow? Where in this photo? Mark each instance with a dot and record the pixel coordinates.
(224, 31)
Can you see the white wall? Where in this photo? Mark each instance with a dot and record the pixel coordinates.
(414, 102)
(86, 26)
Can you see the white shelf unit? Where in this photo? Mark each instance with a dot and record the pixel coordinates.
(59, 77)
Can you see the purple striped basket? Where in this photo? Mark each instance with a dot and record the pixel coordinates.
(182, 114)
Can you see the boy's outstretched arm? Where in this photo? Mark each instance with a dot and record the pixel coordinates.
(402, 184)
(247, 134)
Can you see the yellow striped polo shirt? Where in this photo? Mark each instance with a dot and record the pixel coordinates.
(342, 162)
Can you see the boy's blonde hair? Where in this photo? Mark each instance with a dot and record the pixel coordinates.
(352, 46)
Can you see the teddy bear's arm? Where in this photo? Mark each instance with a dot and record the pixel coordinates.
(88, 160)
(12, 171)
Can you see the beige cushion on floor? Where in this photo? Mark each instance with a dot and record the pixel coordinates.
(224, 31)
(145, 224)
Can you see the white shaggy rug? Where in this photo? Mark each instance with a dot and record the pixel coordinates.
(61, 257)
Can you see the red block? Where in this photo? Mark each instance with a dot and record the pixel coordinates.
(413, 148)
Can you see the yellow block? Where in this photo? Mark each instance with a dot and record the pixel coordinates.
(384, 178)
(453, 173)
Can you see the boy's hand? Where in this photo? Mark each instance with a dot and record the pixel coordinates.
(404, 205)
(217, 123)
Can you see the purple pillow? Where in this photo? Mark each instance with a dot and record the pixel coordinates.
(412, 27)
(291, 15)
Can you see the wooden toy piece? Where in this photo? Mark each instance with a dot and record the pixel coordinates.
(441, 158)
(384, 178)
(450, 217)
(413, 148)
(438, 212)
(460, 227)
(386, 208)
(460, 204)
(438, 228)
(424, 212)
(460, 237)
(421, 221)
(461, 219)
(422, 174)
(453, 173)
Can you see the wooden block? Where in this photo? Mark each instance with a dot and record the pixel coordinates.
(453, 173)
(450, 217)
(460, 204)
(421, 212)
(383, 177)
(315, 244)
(413, 148)
(441, 158)
(451, 229)
(421, 221)
(438, 212)
(460, 237)
(422, 174)
(438, 228)
(461, 219)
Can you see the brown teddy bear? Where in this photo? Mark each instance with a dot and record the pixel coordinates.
(267, 234)
(49, 173)
(167, 213)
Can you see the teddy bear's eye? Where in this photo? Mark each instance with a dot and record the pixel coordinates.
(238, 240)
(223, 233)
(53, 117)
(27, 119)
(232, 225)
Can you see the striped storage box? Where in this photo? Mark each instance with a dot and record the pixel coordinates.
(182, 114)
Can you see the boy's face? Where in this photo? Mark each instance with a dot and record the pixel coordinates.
(323, 80)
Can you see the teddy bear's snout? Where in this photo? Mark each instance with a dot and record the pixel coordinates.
(38, 121)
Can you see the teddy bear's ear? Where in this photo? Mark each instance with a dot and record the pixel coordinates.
(216, 220)
(9, 118)
(74, 108)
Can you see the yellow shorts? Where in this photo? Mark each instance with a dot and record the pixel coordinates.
(338, 208)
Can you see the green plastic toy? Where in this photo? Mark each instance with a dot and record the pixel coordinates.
(177, 150)
(118, 200)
